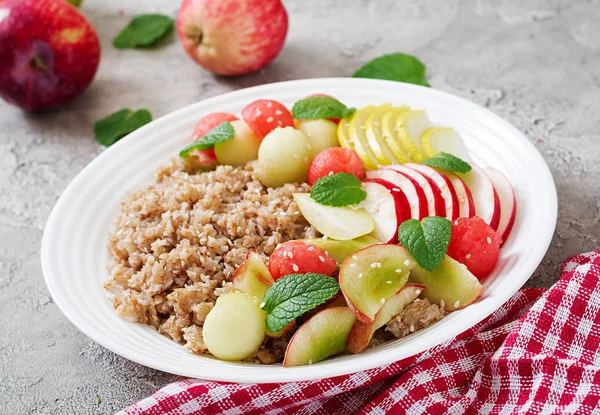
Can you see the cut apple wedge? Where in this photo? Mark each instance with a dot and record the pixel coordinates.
(372, 276)
(388, 209)
(435, 202)
(357, 132)
(253, 276)
(444, 186)
(451, 283)
(382, 151)
(388, 124)
(466, 205)
(410, 126)
(339, 223)
(340, 250)
(508, 201)
(324, 335)
(411, 189)
(487, 202)
(361, 333)
(436, 140)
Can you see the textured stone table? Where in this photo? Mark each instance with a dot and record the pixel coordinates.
(535, 64)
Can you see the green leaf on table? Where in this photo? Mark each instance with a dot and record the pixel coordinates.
(316, 108)
(426, 240)
(222, 132)
(111, 129)
(341, 189)
(449, 162)
(143, 30)
(295, 294)
(394, 67)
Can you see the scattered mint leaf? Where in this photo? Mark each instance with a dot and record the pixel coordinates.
(427, 240)
(111, 129)
(394, 67)
(143, 30)
(449, 162)
(316, 108)
(295, 294)
(341, 189)
(222, 132)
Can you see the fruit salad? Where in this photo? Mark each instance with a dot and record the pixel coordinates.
(404, 216)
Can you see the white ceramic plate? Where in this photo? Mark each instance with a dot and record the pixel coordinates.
(74, 254)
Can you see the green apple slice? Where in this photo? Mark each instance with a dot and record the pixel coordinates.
(436, 140)
(357, 133)
(361, 332)
(451, 283)
(253, 277)
(388, 124)
(374, 133)
(322, 336)
(373, 275)
(339, 223)
(340, 250)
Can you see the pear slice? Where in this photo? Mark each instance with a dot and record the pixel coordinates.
(322, 336)
(358, 135)
(436, 140)
(388, 124)
(451, 283)
(410, 126)
(372, 276)
(252, 277)
(375, 139)
(340, 250)
(339, 223)
(361, 333)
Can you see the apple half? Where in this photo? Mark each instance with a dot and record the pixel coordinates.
(371, 276)
(361, 332)
(253, 276)
(435, 202)
(508, 201)
(487, 202)
(451, 282)
(387, 208)
(411, 189)
(324, 335)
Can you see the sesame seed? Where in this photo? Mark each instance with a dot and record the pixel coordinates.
(489, 240)
(374, 265)
(353, 265)
(398, 270)
(269, 104)
(270, 119)
(330, 173)
(290, 255)
(388, 282)
(417, 292)
(295, 267)
(262, 304)
(278, 112)
(324, 237)
(354, 257)
(412, 328)
(379, 265)
(321, 258)
(258, 113)
(279, 123)
(310, 362)
(456, 222)
(395, 189)
(457, 304)
(383, 301)
(296, 213)
(407, 262)
(360, 275)
(442, 303)
(310, 248)
(467, 256)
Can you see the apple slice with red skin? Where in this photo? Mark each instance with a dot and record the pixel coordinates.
(361, 333)
(435, 202)
(508, 201)
(372, 276)
(324, 335)
(487, 202)
(466, 205)
(451, 282)
(388, 209)
(445, 187)
(411, 189)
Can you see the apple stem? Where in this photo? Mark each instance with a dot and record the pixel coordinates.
(37, 63)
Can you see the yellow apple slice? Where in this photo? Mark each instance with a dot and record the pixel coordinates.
(410, 126)
(357, 131)
(436, 140)
(343, 135)
(374, 133)
(388, 124)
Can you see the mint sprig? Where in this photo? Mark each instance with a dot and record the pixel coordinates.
(448, 161)
(143, 30)
(426, 240)
(341, 189)
(117, 125)
(316, 108)
(222, 132)
(295, 294)
(394, 67)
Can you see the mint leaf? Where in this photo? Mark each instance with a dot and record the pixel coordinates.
(295, 294)
(143, 30)
(316, 108)
(427, 240)
(222, 132)
(341, 189)
(394, 67)
(447, 161)
(111, 129)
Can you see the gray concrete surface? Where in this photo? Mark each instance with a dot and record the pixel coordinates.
(534, 62)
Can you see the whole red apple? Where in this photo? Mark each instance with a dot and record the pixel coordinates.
(232, 37)
(49, 53)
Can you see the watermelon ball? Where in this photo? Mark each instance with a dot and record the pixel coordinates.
(475, 244)
(297, 257)
(335, 120)
(264, 115)
(335, 160)
(206, 124)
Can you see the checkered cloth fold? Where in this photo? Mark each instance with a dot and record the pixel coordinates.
(538, 354)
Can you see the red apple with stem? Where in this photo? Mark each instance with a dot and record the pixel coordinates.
(232, 37)
(49, 53)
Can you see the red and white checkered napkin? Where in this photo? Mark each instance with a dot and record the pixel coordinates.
(538, 354)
